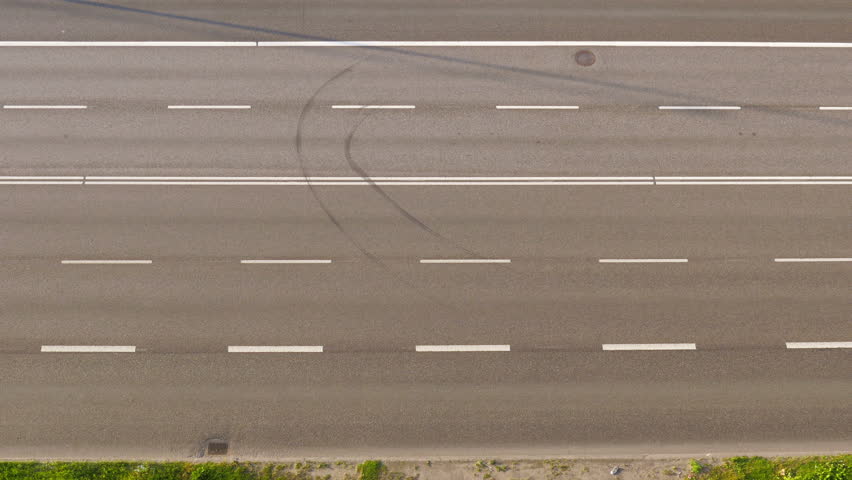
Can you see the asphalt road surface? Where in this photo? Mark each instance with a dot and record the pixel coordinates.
(627, 277)
(755, 20)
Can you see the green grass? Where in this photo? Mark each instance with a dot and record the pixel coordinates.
(371, 470)
(150, 471)
(736, 468)
(796, 468)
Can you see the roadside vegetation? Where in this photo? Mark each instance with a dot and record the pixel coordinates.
(736, 468)
(759, 468)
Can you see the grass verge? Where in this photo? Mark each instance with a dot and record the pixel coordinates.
(795, 468)
(737, 468)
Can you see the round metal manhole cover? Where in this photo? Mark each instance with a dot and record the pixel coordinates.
(585, 58)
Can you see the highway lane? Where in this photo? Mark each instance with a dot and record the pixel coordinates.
(196, 296)
(425, 405)
(455, 129)
(763, 20)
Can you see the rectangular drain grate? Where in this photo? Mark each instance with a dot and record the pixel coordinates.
(217, 447)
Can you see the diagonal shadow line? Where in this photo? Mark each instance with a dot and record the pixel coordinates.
(456, 60)
(445, 58)
(187, 18)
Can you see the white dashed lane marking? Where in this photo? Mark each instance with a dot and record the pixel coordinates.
(794, 345)
(815, 260)
(462, 348)
(699, 107)
(45, 107)
(209, 107)
(107, 262)
(275, 349)
(643, 260)
(88, 348)
(295, 262)
(538, 107)
(373, 107)
(648, 346)
(465, 260)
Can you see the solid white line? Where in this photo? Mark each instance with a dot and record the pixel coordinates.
(537, 107)
(794, 260)
(401, 179)
(835, 108)
(45, 107)
(806, 177)
(124, 44)
(89, 348)
(648, 346)
(365, 183)
(209, 107)
(554, 44)
(107, 262)
(56, 182)
(368, 107)
(819, 345)
(466, 260)
(39, 178)
(643, 260)
(462, 348)
(275, 349)
(426, 181)
(718, 182)
(284, 261)
(698, 107)
(430, 44)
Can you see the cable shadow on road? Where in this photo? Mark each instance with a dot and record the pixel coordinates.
(448, 59)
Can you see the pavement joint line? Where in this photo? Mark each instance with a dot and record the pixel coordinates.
(439, 43)
(209, 107)
(643, 260)
(107, 262)
(284, 261)
(45, 107)
(802, 345)
(538, 107)
(275, 349)
(699, 107)
(835, 108)
(88, 348)
(648, 346)
(373, 107)
(465, 260)
(462, 348)
(812, 259)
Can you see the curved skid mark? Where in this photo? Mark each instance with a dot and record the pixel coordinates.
(347, 150)
(334, 220)
(302, 115)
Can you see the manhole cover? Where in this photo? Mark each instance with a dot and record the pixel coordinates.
(217, 447)
(585, 58)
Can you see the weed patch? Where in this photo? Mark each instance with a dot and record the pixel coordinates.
(371, 470)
